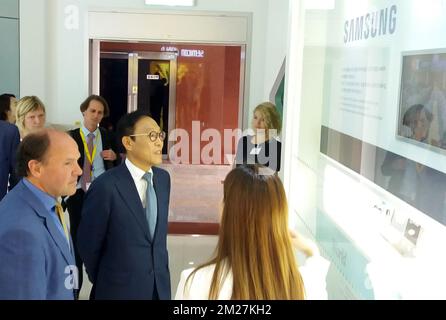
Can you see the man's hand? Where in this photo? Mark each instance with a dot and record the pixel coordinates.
(108, 155)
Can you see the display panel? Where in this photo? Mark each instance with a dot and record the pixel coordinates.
(422, 107)
(371, 189)
(387, 91)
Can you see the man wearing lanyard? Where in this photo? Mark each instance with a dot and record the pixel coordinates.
(97, 155)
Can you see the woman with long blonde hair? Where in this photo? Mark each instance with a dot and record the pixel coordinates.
(254, 258)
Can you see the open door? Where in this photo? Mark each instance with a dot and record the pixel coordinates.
(131, 81)
(152, 87)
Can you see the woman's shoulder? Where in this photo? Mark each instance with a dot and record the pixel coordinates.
(201, 273)
(275, 140)
(196, 286)
(246, 138)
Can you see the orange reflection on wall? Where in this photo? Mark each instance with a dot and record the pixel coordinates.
(208, 91)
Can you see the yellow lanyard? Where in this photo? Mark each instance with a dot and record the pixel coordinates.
(87, 152)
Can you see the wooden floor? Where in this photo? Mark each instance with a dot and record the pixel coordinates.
(196, 196)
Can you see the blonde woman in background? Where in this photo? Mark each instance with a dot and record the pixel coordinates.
(263, 147)
(255, 258)
(31, 115)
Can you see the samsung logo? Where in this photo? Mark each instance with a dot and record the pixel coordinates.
(371, 25)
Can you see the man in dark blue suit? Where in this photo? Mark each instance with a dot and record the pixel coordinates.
(9, 141)
(36, 257)
(123, 231)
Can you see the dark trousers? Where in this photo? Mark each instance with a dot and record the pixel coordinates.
(155, 292)
(74, 205)
(155, 295)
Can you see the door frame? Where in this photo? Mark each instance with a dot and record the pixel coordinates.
(132, 87)
(133, 76)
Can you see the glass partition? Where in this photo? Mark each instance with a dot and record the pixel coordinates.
(370, 172)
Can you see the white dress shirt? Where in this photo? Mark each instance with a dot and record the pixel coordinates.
(140, 183)
(313, 272)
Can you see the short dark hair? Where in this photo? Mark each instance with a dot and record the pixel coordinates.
(5, 105)
(84, 105)
(412, 114)
(33, 147)
(126, 126)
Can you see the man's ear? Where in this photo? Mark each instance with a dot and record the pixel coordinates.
(35, 168)
(127, 142)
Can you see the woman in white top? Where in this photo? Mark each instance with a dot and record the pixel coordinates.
(254, 257)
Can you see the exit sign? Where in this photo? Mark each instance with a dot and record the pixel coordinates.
(153, 77)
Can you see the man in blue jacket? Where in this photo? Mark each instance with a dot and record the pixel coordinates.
(123, 231)
(36, 256)
(9, 141)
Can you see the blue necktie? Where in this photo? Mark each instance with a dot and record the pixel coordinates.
(151, 204)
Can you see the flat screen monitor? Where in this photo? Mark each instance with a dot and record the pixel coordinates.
(422, 103)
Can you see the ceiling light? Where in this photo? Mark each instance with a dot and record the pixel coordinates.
(319, 4)
(186, 3)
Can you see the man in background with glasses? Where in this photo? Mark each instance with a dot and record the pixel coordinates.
(123, 232)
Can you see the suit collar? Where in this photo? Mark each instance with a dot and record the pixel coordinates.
(156, 181)
(86, 131)
(30, 198)
(136, 172)
(47, 200)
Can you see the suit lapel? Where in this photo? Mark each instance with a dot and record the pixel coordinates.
(126, 187)
(105, 140)
(54, 232)
(157, 185)
(75, 134)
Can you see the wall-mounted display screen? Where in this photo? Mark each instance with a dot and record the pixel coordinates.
(422, 105)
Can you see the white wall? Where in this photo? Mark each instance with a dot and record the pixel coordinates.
(9, 54)
(54, 58)
(33, 48)
(276, 42)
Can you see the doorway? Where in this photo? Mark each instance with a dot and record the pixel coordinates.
(113, 86)
(142, 81)
(205, 88)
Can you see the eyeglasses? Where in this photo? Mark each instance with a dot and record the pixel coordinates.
(153, 135)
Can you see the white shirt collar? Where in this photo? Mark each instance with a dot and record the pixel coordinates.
(86, 131)
(136, 172)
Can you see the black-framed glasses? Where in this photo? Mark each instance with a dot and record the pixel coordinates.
(152, 135)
